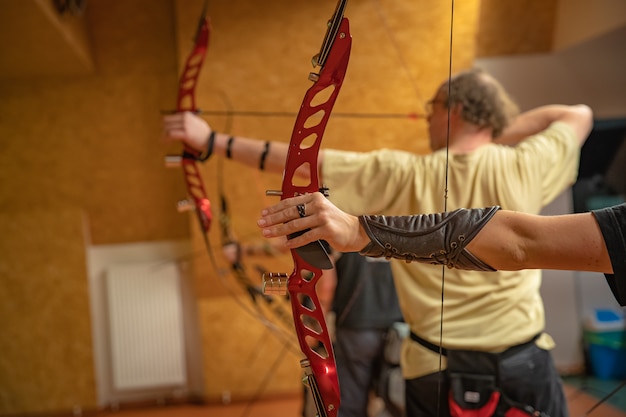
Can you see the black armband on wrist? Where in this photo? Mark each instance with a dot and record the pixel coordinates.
(266, 150)
(437, 239)
(209, 148)
(229, 145)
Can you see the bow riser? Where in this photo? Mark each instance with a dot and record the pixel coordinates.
(309, 320)
(300, 152)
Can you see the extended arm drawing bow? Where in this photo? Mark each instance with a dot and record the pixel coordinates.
(320, 368)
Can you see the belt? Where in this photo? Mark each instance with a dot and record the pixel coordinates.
(443, 351)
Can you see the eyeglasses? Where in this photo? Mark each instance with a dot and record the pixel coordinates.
(428, 106)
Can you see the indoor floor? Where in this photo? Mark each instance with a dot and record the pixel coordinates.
(583, 394)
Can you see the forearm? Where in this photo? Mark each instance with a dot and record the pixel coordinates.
(514, 241)
(484, 239)
(268, 156)
(579, 117)
(196, 133)
(258, 154)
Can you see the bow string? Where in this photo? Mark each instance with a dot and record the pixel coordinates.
(259, 300)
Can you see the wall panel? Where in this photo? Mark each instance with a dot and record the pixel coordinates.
(47, 361)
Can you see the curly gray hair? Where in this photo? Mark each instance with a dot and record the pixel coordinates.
(484, 101)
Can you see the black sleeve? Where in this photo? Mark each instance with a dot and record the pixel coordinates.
(612, 222)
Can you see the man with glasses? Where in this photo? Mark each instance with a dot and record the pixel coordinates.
(484, 154)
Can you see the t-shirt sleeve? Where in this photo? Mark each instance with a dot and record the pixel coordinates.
(368, 183)
(612, 222)
(553, 155)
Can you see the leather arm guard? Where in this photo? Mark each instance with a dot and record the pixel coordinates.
(438, 239)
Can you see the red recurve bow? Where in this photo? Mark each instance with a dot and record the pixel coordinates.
(310, 260)
(198, 199)
(187, 102)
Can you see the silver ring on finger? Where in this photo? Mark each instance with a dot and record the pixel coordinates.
(301, 210)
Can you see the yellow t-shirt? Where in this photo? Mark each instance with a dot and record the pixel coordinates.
(487, 311)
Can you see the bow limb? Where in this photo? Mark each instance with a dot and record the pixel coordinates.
(302, 158)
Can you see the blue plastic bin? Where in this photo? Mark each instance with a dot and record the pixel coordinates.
(605, 338)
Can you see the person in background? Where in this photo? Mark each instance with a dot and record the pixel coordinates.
(484, 154)
(365, 306)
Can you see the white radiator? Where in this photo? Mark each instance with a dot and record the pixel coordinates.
(146, 325)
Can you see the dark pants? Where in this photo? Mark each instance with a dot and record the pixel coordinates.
(527, 377)
(358, 354)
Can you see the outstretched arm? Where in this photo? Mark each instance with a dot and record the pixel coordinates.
(507, 241)
(579, 117)
(514, 240)
(195, 132)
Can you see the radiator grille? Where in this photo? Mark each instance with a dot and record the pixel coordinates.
(146, 325)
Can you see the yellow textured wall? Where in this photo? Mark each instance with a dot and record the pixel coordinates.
(579, 20)
(516, 27)
(74, 149)
(243, 356)
(46, 362)
(94, 141)
(56, 44)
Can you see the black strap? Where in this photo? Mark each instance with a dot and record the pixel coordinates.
(209, 149)
(428, 345)
(229, 144)
(440, 349)
(266, 150)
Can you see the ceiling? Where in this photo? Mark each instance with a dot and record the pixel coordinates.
(51, 37)
(43, 38)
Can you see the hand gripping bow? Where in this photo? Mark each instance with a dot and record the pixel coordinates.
(319, 365)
